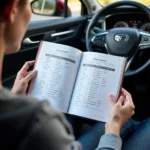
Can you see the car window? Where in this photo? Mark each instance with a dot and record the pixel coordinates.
(105, 2)
(75, 7)
(54, 9)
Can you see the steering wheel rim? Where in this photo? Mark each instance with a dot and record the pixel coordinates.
(102, 12)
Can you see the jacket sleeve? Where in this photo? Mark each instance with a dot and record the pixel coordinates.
(110, 142)
(49, 131)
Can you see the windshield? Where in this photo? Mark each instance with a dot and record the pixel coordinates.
(105, 2)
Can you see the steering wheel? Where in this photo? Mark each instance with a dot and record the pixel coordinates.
(124, 42)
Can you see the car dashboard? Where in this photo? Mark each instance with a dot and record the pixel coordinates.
(127, 17)
(128, 20)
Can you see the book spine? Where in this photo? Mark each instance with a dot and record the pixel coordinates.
(121, 78)
(37, 57)
(38, 54)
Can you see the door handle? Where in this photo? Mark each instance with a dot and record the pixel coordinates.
(29, 41)
(62, 33)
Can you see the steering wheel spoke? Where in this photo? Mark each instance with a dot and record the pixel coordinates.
(129, 62)
(124, 42)
(145, 40)
(99, 39)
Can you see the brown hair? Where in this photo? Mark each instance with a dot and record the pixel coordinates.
(5, 3)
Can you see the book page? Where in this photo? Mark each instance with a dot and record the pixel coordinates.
(57, 67)
(99, 75)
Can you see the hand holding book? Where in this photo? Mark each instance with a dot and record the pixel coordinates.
(76, 82)
(121, 112)
(24, 76)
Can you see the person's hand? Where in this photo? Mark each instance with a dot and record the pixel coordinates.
(121, 112)
(23, 78)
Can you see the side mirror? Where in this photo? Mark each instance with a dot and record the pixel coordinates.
(44, 7)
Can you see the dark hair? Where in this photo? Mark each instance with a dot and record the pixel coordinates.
(3, 4)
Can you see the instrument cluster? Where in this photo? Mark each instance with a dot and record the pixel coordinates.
(137, 21)
(133, 24)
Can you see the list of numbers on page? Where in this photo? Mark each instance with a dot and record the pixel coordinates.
(93, 80)
(55, 74)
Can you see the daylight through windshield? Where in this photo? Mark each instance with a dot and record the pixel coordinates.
(105, 2)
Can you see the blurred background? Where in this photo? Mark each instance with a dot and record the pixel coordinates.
(54, 9)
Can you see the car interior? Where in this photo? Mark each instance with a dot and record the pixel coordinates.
(97, 32)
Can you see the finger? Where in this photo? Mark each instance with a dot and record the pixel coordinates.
(128, 98)
(121, 100)
(27, 65)
(22, 75)
(112, 99)
(127, 95)
(29, 72)
(23, 72)
(125, 92)
(129, 107)
(130, 104)
(30, 76)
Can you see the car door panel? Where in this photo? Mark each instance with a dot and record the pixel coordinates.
(38, 27)
(64, 31)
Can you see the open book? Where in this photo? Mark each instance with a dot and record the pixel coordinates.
(77, 82)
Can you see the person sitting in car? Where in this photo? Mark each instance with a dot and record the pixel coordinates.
(25, 122)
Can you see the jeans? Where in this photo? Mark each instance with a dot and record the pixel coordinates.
(135, 135)
(139, 139)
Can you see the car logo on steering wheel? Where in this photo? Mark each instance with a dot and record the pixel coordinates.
(121, 38)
